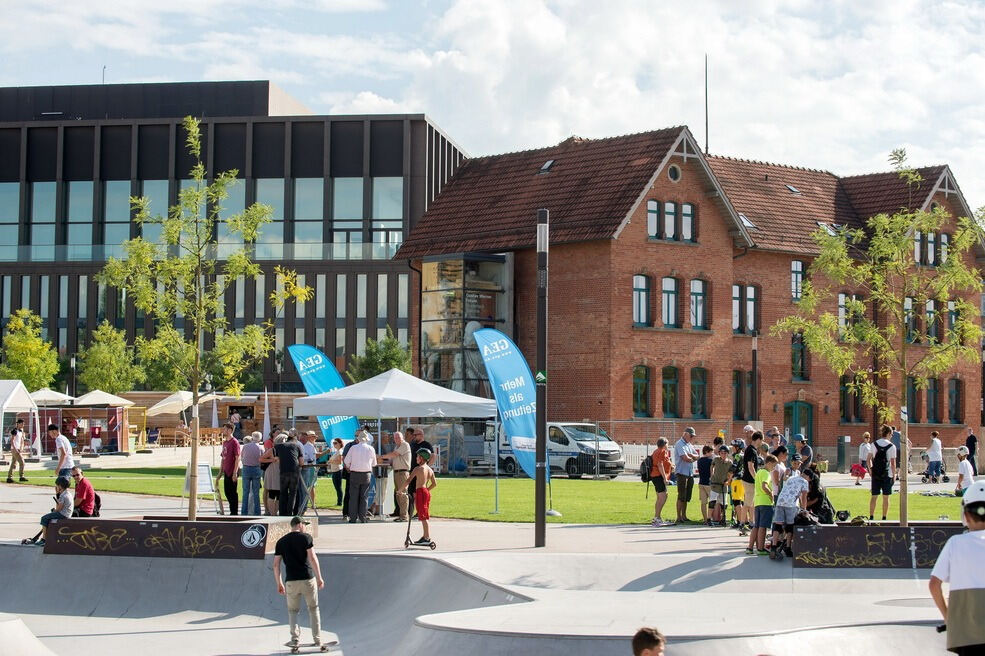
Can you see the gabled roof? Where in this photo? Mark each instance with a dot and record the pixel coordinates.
(491, 204)
(786, 203)
(877, 193)
(783, 203)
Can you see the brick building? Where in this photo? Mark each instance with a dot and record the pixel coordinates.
(664, 266)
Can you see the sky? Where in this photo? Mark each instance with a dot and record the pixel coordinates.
(829, 85)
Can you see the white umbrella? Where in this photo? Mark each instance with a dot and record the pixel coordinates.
(177, 403)
(49, 397)
(99, 397)
(215, 413)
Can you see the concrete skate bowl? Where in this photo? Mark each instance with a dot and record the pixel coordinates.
(111, 605)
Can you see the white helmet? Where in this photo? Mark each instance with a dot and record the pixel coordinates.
(963, 451)
(974, 494)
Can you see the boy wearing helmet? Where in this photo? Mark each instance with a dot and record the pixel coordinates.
(423, 480)
(966, 475)
(960, 565)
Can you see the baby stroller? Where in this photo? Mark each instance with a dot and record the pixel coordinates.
(925, 476)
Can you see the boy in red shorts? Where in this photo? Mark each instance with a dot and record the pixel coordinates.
(423, 479)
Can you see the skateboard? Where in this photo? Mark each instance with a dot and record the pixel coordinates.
(408, 543)
(325, 646)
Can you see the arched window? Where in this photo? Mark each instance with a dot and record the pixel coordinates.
(699, 393)
(641, 391)
(688, 232)
(796, 279)
(670, 220)
(668, 303)
(669, 386)
(699, 293)
(641, 301)
(954, 402)
(653, 218)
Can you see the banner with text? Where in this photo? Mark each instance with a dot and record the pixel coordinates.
(516, 395)
(319, 375)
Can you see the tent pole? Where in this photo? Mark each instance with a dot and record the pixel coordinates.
(496, 464)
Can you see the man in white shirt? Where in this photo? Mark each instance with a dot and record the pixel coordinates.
(400, 460)
(16, 444)
(966, 475)
(935, 457)
(360, 461)
(309, 473)
(882, 468)
(64, 449)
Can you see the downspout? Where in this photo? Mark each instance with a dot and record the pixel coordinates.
(420, 299)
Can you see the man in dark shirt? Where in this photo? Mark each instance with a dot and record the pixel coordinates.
(296, 550)
(750, 459)
(972, 443)
(417, 442)
(806, 452)
(290, 456)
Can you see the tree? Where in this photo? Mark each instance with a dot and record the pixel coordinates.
(108, 363)
(167, 359)
(26, 356)
(880, 351)
(182, 276)
(380, 356)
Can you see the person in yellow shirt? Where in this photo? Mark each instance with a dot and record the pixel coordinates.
(763, 502)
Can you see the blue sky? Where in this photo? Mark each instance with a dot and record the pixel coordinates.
(831, 85)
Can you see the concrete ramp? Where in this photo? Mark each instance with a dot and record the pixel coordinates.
(18, 640)
(99, 605)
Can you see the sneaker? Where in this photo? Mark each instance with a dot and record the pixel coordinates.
(10, 480)
(788, 552)
(23, 480)
(656, 521)
(762, 552)
(750, 552)
(40, 542)
(293, 642)
(423, 540)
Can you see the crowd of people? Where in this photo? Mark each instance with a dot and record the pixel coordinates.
(279, 476)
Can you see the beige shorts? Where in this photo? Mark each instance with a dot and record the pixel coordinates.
(749, 493)
(703, 493)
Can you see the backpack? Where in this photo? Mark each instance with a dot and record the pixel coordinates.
(97, 504)
(645, 468)
(880, 461)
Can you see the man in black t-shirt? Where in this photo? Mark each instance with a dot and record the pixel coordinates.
(750, 458)
(972, 443)
(290, 456)
(296, 550)
(417, 442)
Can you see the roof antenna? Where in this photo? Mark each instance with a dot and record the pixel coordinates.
(104, 75)
(706, 104)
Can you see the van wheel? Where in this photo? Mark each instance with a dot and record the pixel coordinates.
(509, 467)
(572, 469)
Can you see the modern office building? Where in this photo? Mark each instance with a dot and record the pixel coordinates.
(345, 190)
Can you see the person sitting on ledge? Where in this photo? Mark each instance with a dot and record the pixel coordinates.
(85, 496)
(62, 510)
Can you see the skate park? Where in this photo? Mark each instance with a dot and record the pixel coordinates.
(486, 588)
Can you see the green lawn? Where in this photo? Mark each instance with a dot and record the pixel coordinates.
(579, 501)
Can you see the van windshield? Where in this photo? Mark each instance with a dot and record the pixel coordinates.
(585, 432)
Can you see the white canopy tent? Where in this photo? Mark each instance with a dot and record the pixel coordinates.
(177, 403)
(395, 394)
(15, 398)
(101, 398)
(46, 398)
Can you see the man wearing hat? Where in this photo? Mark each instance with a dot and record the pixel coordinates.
(360, 462)
(806, 452)
(685, 456)
(297, 551)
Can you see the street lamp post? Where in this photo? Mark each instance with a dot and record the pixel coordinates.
(540, 482)
(754, 393)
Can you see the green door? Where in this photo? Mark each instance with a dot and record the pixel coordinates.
(799, 416)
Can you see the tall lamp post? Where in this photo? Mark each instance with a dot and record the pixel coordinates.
(754, 392)
(540, 377)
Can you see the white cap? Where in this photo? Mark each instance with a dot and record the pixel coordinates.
(748, 427)
(974, 494)
(963, 451)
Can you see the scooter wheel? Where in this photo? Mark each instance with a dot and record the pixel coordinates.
(433, 545)
(923, 479)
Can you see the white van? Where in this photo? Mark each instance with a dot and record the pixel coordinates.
(572, 448)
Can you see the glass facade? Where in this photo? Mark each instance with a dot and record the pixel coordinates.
(460, 296)
(9, 217)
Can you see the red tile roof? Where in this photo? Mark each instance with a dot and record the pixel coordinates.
(785, 217)
(491, 204)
